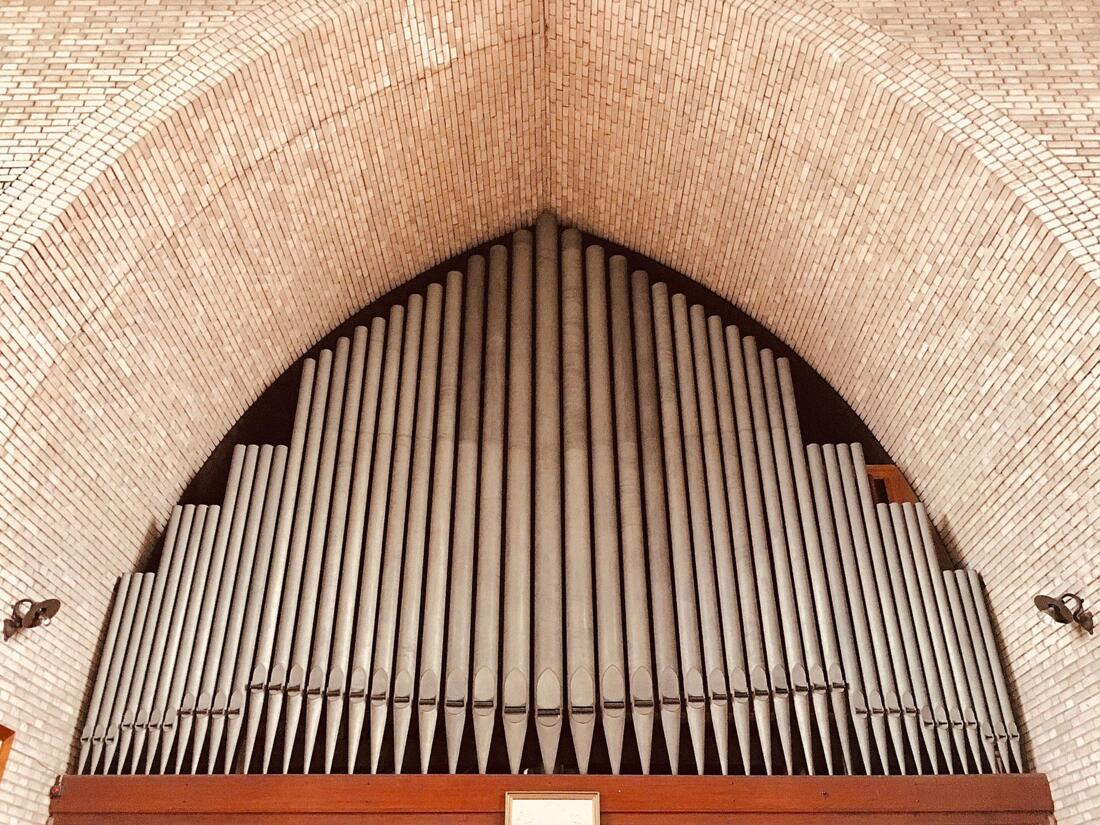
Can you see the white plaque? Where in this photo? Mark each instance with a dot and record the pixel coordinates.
(551, 808)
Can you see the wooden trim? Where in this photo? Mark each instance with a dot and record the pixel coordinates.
(7, 739)
(898, 489)
(1018, 799)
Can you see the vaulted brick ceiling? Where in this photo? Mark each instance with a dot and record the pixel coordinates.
(175, 249)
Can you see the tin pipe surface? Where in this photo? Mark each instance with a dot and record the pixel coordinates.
(548, 608)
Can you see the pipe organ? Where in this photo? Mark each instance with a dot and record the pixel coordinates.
(544, 516)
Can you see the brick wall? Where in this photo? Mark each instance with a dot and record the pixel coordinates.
(168, 254)
(62, 60)
(1038, 61)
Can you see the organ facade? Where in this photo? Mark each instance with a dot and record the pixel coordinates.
(549, 514)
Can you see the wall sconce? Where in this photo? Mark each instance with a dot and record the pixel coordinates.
(27, 614)
(1060, 610)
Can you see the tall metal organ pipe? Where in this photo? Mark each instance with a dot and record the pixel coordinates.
(516, 652)
(548, 653)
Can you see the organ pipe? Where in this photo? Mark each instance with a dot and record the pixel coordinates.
(872, 578)
(871, 703)
(935, 631)
(848, 679)
(516, 649)
(114, 665)
(233, 701)
(114, 624)
(216, 705)
(313, 560)
(155, 630)
(949, 630)
(548, 608)
(906, 709)
(989, 643)
(278, 674)
(919, 709)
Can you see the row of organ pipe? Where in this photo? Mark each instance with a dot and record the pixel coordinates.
(547, 516)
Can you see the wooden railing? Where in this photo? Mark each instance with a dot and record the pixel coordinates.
(1001, 799)
(889, 478)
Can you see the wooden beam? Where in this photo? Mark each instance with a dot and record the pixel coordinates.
(898, 489)
(7, 739)
(1017, 799)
